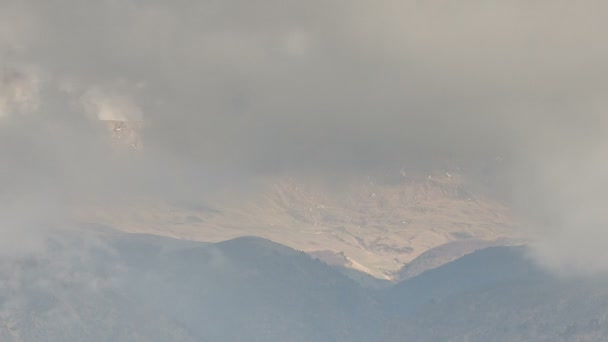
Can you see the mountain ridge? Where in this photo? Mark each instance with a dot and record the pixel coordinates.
(107, 285)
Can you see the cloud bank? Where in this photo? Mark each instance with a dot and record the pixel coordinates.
(239, 89)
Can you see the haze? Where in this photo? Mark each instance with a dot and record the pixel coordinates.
(234, 95)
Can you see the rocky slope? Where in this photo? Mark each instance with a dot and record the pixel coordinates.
(374, 224)
(372, 228)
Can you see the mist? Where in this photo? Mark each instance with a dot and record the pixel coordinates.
(234, 91)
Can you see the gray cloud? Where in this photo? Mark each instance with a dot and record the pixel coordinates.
(237, 89)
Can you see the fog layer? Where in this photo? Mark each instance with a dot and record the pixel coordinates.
(236, 90)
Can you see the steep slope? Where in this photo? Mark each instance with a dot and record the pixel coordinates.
(73, 291)
(443, 254)
(374, 223)
(115, 287)
(106, 286)
(373, 227)
(497, 294)
(261, 289)
(494, 266)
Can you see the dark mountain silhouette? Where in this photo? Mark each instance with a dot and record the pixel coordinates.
(137, 287)
(110, 286)
(497, 294)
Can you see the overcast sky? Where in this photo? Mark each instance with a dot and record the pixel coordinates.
(239, 88)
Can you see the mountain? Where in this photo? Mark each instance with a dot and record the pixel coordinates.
(375, 224)
(73, 291)
(445, 253)
(145, 288)
(103, 285)
(253, 289)
(497, 294)
(470, 274)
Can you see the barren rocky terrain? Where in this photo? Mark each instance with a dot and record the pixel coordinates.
(370, 224)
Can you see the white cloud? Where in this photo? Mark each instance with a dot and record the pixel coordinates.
(107, 104)
(320, 86)
(19, 91)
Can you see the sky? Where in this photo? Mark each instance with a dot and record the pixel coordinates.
(234, 90)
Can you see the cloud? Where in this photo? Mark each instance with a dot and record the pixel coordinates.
(18, 91)
(110, 105)
(236, 90)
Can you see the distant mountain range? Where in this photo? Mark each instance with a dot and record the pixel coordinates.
(376, 225)
(392, 223)
(109, 286)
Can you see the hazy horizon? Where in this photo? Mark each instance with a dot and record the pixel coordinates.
(506, 100)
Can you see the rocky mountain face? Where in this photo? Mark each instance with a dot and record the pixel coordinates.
(375, 224)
